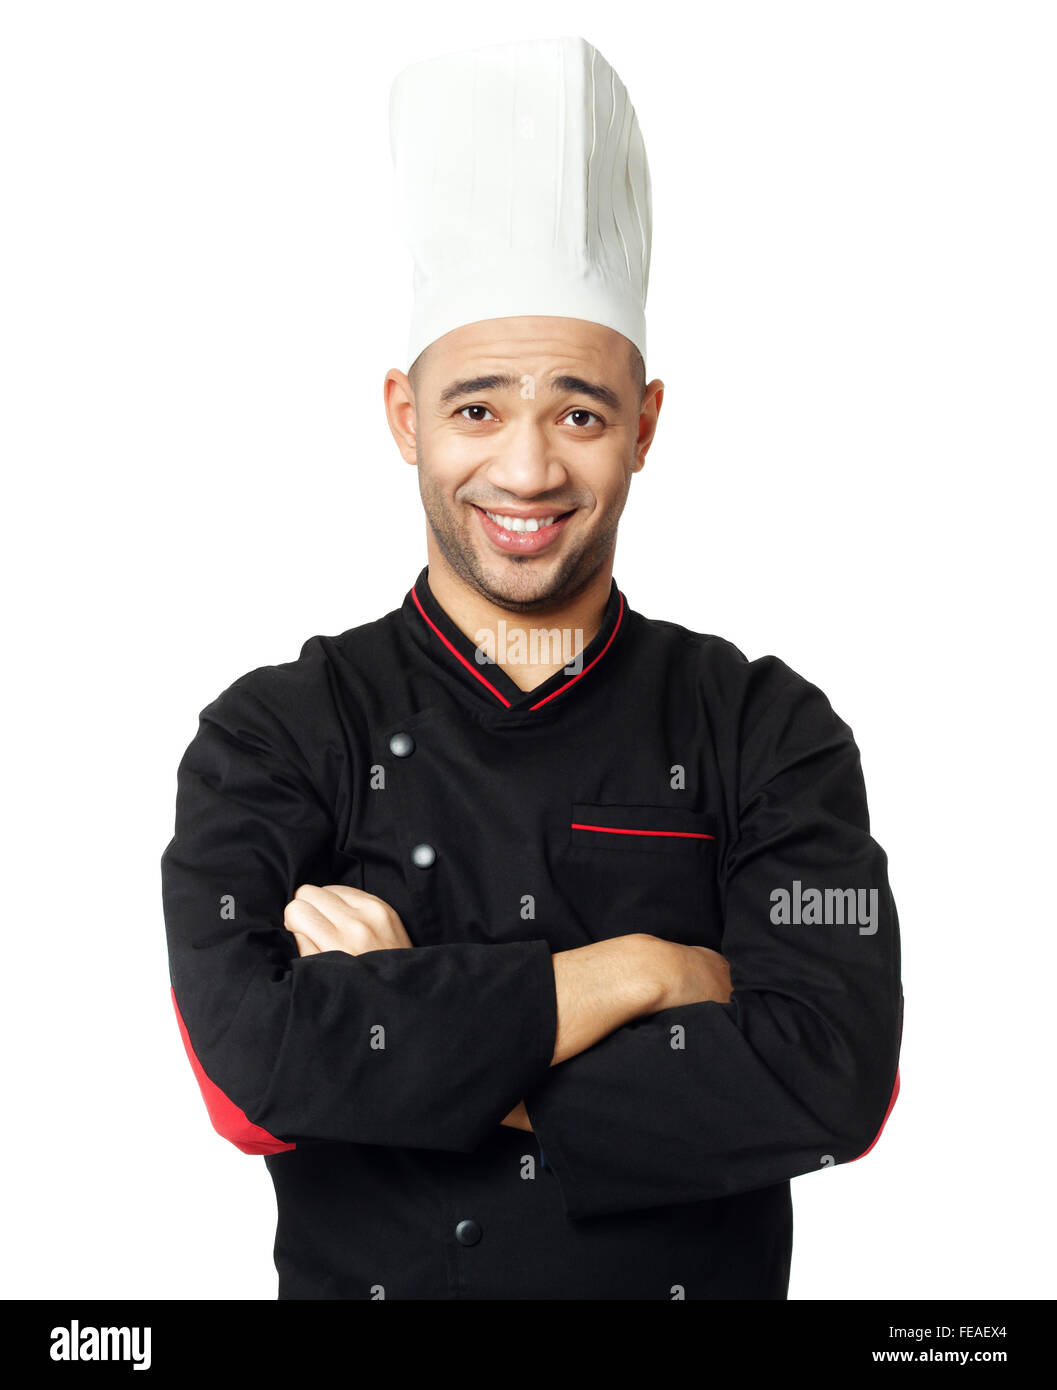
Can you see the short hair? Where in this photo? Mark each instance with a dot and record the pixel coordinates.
(414, 371)
(638, 372)
(636, 366)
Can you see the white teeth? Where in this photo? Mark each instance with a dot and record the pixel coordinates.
(519, 523)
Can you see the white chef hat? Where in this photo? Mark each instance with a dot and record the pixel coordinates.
(523, 188)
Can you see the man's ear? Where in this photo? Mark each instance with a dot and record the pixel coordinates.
(650, 410)
(399, 397)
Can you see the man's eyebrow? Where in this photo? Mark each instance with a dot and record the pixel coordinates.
(505, 382)
(473, 384)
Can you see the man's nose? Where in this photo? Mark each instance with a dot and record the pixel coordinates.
(527, 462)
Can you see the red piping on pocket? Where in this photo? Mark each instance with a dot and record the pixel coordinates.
(625, 830)
(229, 1121)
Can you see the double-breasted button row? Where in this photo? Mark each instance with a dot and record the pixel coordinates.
(424, 856)
(402, 745)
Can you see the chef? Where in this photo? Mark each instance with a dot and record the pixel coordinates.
(536, 945)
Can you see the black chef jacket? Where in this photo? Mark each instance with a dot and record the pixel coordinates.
(669, 786)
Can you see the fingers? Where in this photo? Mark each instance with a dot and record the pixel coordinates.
(308, 922)
(340, 918)
(352, 897)
(353, 908)
(328, 922)
(375, 914)
(337, 908)
(358, 915)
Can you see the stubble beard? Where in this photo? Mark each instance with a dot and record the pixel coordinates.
(524, 587)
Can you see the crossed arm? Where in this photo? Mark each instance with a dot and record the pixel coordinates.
(598, 987)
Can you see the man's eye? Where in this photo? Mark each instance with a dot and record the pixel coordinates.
(479, 419)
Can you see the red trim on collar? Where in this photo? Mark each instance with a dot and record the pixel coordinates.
(499, 696)
(457, 654)
(580, 674)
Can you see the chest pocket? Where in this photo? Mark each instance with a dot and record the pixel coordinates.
(646, 868)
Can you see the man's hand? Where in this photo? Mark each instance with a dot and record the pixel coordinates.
(340, 918)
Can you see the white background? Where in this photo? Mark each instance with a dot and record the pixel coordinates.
(852, 305)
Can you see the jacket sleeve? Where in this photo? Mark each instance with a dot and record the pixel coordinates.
(800, 1070)
(421, 1047)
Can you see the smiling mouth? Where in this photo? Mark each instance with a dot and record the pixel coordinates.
(520, 525)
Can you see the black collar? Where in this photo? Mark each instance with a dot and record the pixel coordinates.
(442, 639)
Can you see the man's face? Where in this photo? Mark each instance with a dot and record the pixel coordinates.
(536, 419)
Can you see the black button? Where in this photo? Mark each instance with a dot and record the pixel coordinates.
(467, 1233)
(423, 856)
(401, 745)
